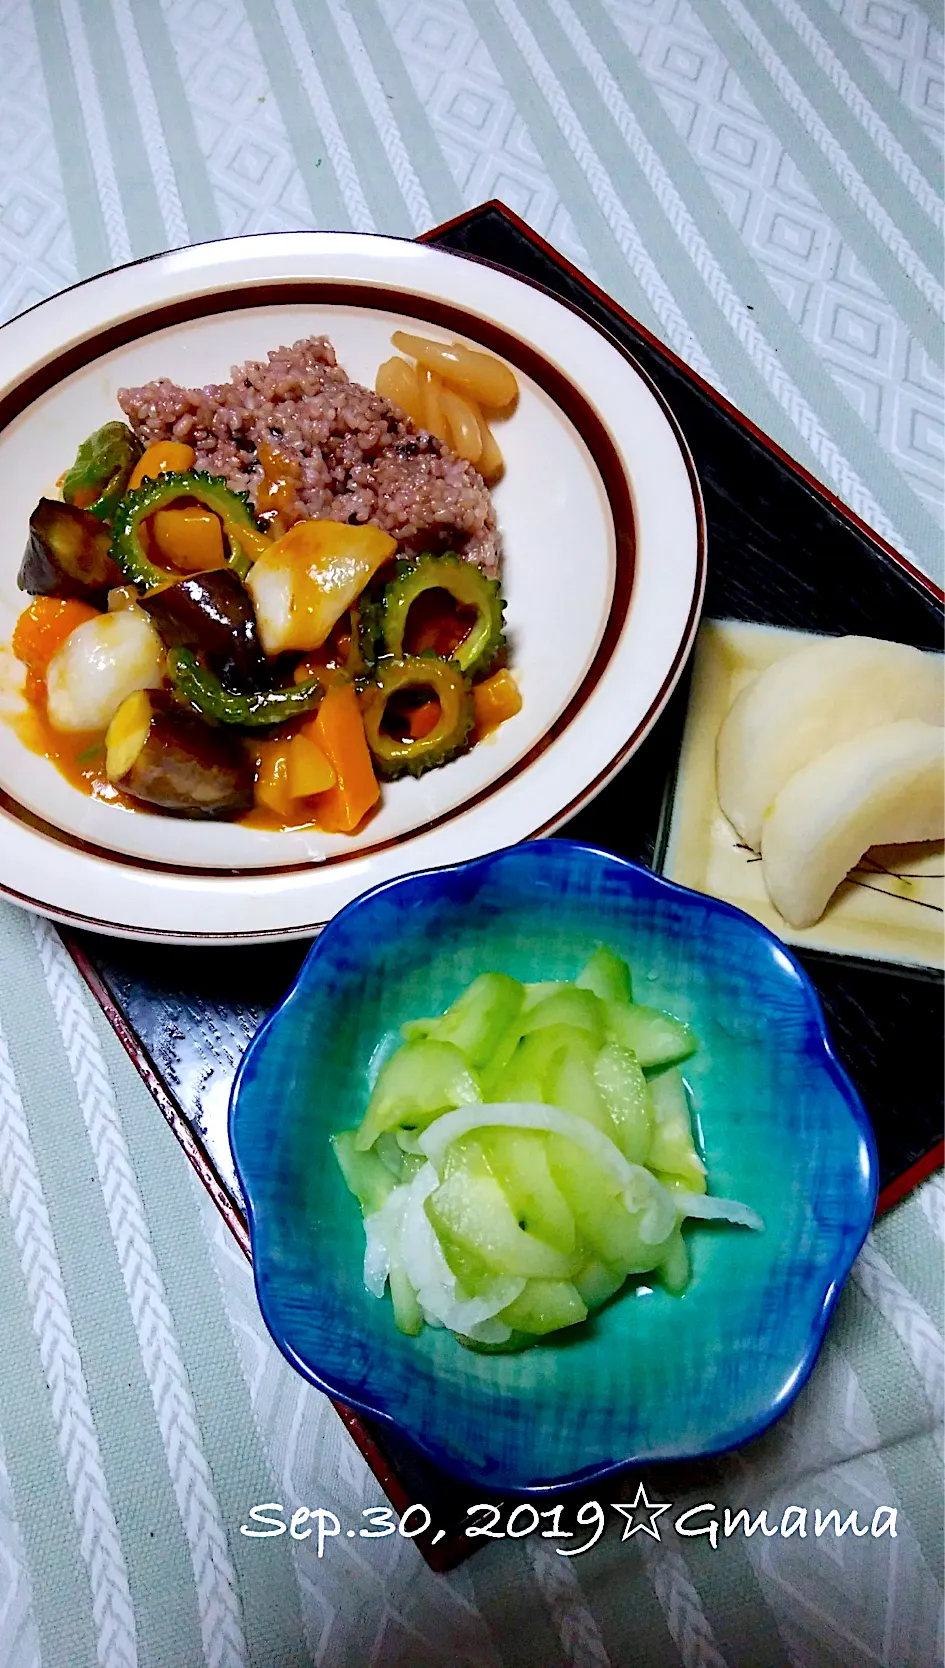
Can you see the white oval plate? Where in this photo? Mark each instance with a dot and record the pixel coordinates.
(604, 570)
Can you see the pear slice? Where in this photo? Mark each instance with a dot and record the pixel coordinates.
(809, 701)
(884, 786)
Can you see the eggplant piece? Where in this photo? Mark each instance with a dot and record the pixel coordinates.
(67, 554)
(176, 763)
(212, 613)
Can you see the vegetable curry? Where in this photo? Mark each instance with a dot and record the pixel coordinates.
(194, 655)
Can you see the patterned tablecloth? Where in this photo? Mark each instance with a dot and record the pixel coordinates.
(760, 182)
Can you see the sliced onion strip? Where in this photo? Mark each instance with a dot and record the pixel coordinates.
(438, 1291)
(521, 1114)
(709, 1209)
(401, 1232)
(381, 1230)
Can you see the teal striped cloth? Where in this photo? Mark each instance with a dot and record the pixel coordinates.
(760, 183)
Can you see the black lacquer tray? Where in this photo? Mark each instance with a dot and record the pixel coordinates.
(781, 552)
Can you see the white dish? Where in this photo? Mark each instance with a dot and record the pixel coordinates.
(890, 907)
(604, 570)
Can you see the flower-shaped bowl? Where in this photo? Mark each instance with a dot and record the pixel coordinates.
(650, 1377)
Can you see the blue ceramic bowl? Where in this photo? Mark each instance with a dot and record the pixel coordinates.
(650, 1377)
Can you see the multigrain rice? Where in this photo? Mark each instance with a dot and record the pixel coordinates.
(358, 458)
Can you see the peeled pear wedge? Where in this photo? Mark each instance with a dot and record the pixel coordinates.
(810, 701)
(885, 786)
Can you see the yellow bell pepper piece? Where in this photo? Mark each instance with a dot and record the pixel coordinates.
(308, 769)
(191, 539)
(289, 772)
(165, 457)
(271, 791)
(494, 700)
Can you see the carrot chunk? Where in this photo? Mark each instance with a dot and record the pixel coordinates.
(338, 730)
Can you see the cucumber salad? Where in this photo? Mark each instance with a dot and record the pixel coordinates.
(525, 1153)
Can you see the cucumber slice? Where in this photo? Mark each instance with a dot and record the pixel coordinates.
(672, 1151)
(519, 1162)
(408, 1316)
(607, 976)
(674, 1270)
(470, 1271)
(570, 1084)
(545, 1306)
(470, 1213)
(482, 1023)
(596, 1282)
(516, 1082)
(441, 1296)
(676, 1184)
(391, 1155)
(436, 1140)
(603, 1221)
(569, 1006)
(423, 1078)
(368, 1179)
(526, 1075)
(400, 1161)
(656, 1038)
(536, 993)
(626, 1096)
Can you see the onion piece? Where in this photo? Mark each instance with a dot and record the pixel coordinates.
(381, 1232)
(439, 1293)
(489, 1332)
(642, 1194)
(100, 663)
(709, 1209)
(654, 1204)
(520, 1114)
(639, 1188)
